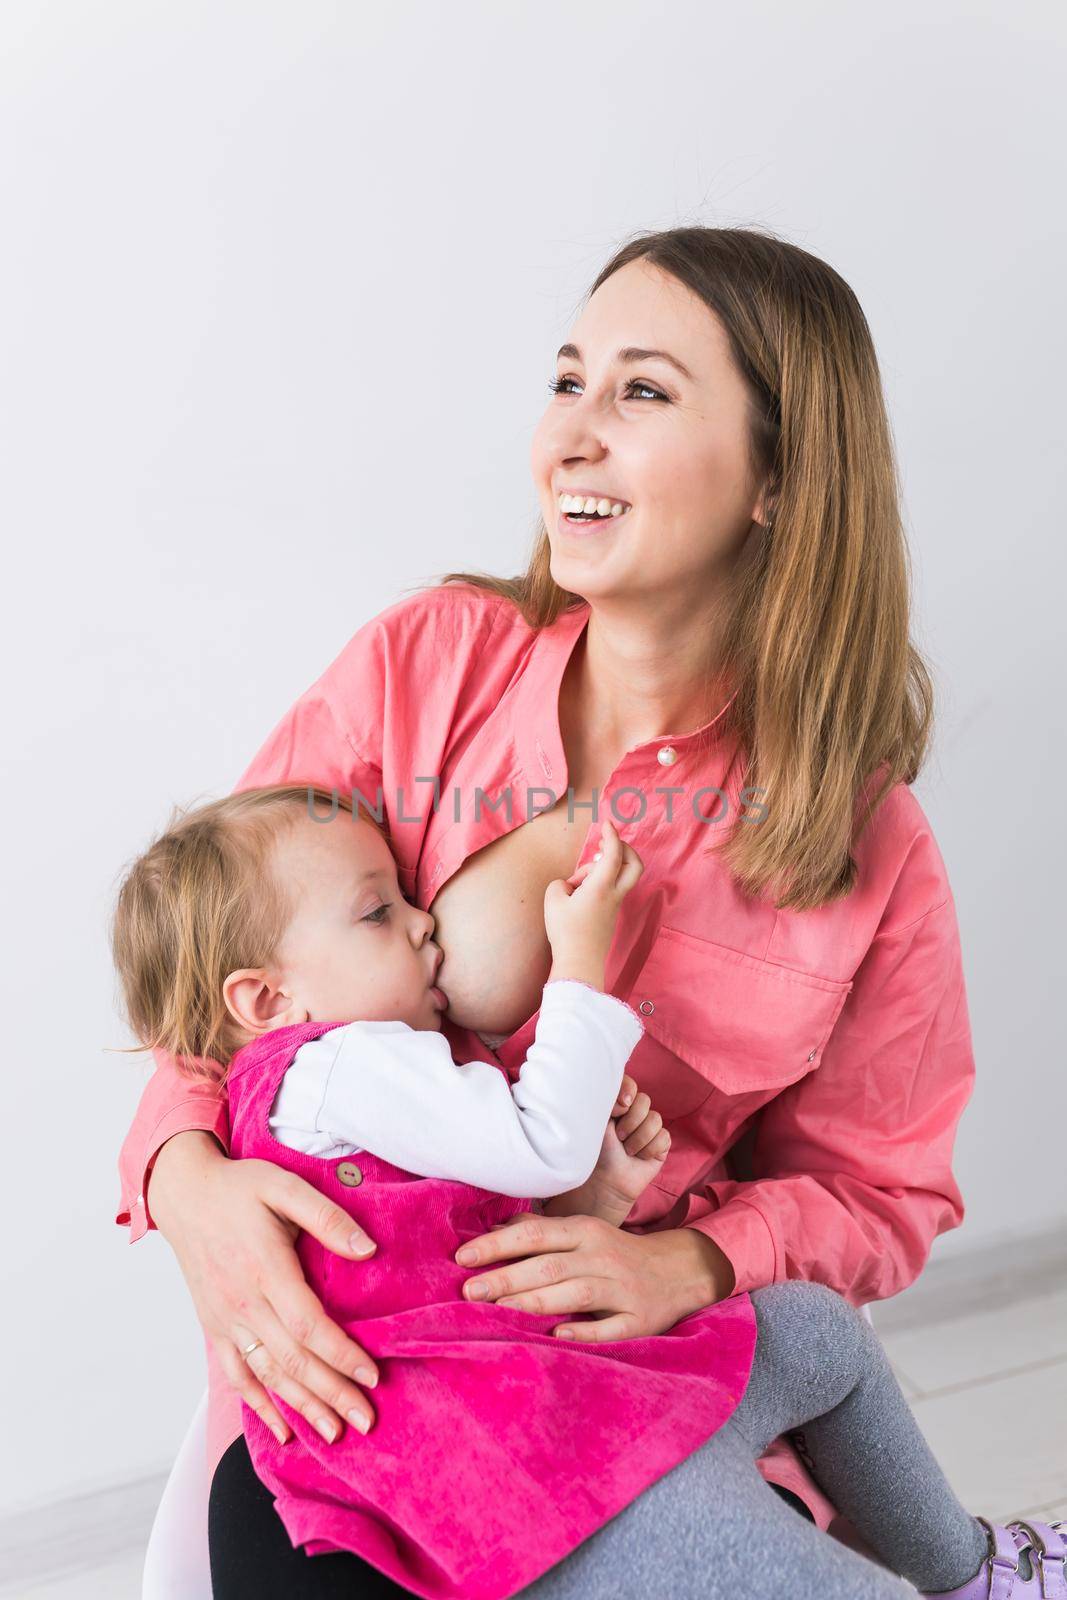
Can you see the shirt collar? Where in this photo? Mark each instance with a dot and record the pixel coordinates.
(535, 713)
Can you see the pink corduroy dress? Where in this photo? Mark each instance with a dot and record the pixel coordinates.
(497, 1448)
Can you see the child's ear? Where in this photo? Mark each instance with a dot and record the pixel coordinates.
(257, 1001)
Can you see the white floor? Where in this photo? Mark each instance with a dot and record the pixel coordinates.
(989, 1389)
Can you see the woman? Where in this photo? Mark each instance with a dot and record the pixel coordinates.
(793, 947)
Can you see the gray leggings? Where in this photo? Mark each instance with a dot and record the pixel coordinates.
(713, 1529)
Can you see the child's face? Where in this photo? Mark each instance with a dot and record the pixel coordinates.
(354, 950)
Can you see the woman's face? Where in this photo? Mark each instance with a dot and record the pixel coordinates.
(670, 445)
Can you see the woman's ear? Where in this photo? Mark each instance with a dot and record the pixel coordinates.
(257, 1001)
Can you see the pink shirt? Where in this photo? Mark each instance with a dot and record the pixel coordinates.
(845, 1028)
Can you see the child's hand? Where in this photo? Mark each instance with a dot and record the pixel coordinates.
(581, 911)
(635, 1146)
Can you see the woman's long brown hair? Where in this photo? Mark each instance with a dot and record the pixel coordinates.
(832, 694)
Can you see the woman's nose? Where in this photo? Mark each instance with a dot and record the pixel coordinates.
(574, 433)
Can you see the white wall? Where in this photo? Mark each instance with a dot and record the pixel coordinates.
(281, 286)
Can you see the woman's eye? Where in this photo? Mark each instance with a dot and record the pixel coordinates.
(559, 386)
(377, 915)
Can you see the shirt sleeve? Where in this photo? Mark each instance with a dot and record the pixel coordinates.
(853, 1164)
(311, 744)
(396, 1092)
(173, 1102)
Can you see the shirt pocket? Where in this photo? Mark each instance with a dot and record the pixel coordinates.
(743, 1024)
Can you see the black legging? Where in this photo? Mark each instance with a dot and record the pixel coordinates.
(252, 1558)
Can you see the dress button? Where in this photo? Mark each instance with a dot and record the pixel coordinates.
(811, 1055)
(647, 1007)
(667, 756)
(349, 1174)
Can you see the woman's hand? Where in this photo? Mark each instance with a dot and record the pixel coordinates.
(632, 1284)
(232, 1226)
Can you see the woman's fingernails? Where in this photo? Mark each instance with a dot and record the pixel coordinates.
(475, 1291)
(467, 1255)
(281, 1436)
(360, 1245)
(360, 1421)
(366, 1376)
(327, 1429)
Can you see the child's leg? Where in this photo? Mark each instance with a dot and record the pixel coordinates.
(820, 1368)
(713, 1529)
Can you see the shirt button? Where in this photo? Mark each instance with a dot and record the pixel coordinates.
(349, 1174)
(811, 1055)
(647, 1007)
(667, 755)
(139, 1201)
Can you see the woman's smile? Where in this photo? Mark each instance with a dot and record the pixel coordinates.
(589, 527)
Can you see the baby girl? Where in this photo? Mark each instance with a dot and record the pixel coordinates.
(258, 933)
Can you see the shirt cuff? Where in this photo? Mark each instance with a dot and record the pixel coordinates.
(742, 1234)
(194, 1114)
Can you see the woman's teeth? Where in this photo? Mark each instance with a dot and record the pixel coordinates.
(587, 509)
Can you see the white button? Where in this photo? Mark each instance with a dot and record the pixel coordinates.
(667, 756)
(647, 1007)
(811, 1055)
(139, 1201)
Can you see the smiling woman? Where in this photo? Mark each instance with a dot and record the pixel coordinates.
(740, 626)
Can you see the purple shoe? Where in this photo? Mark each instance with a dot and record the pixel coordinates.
(1026, 1561)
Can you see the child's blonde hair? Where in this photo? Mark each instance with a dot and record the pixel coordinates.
(199, 903)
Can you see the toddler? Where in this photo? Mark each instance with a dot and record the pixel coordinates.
(503, 1460)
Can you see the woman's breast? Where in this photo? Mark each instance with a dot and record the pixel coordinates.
(490, 923)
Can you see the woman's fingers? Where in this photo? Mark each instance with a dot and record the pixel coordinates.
(241, 1377)
(553, 1299)
(312, 1212)
(300, 1312)
(527, 1233)
(518, 1278)
(305, 1383)
(623, 1325)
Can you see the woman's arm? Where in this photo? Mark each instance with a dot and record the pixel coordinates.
(632, 1284)
(854, 1168)
(853, 1164)
(232, 1226)
(172, 1103)
(232, 1223)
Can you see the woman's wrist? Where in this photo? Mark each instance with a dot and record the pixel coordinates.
(179, 1159)
(702, 1273)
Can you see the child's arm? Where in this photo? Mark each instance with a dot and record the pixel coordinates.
(397, 1093)
(636, 1145)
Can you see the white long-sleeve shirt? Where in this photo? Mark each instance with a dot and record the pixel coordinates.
(389, 1089)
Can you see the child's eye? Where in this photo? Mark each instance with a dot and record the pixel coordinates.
(377, 915)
